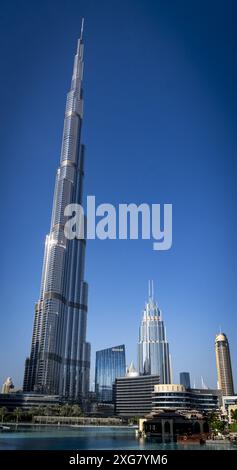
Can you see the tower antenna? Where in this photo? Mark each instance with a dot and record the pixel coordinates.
(82, 28)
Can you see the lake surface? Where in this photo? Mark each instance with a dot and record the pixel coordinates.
(82, 438)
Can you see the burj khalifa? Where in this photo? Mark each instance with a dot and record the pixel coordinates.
(59, 361)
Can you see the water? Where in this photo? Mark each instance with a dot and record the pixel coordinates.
(82, 438)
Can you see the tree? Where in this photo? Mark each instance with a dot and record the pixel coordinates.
(33, 411)
(55, 410)
(3, 412)
(66, 410)
(47, 410)
(75, 410)
(215, 423)
(133, 420)
(17, 413)
(40, 411)
(234, 415)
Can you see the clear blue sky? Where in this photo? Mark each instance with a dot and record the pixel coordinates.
(160, 127)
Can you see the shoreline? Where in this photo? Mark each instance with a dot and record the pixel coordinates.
(60, 425)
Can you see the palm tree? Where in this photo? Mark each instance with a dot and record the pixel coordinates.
(33, 411)
(66, 410)
(76, 410)
(41, 411)
(47, 410)
(55, 409)
(3, 412)
(17, 413)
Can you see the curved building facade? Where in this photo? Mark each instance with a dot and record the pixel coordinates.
(59, 361)
(153, 347)
(223, 364)
(178, 397)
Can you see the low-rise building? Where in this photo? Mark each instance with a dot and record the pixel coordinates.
(229, 404)
(231, 410)
(173, 425)
(27, 400)
(178, 397)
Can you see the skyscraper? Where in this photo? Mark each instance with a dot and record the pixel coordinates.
(59, 361)
(223, 364)
(184, 379)
(153, 348)
(110, 364)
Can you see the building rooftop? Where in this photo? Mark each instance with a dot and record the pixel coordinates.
(221, 337)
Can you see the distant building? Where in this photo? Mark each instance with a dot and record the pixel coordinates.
(231, 410)
(223, 364)
(184, 379)
(133, 395)
(229, 404)
(8, 385)
(178, 397)
(110, 364)
(153, 347)
(102, 409)
(27, 400)
(131, 371)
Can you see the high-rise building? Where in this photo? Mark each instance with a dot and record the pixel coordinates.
(110, 363)
(184, 379)
(223, 364)
(8, 385)
(59, 361)
(153, 348)
(133, 394)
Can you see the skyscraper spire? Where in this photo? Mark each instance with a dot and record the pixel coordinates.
(82, 28)
(204, 386)
(150, 290)
(59, 361)
(153, 347)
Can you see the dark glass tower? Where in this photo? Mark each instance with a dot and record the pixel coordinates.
(184, 379)
(153, 347)
(110, 364)
(59, 361)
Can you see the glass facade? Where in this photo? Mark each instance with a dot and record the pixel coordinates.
(178, 397)
(110, 364)
(184, 379)
(153, 348)
(59, 361)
